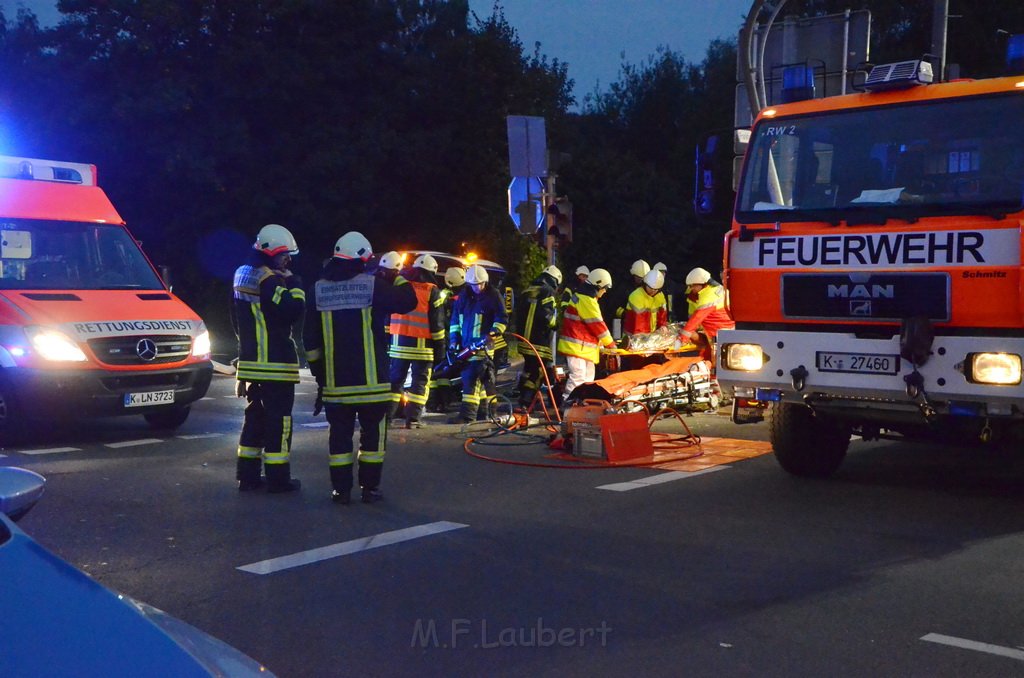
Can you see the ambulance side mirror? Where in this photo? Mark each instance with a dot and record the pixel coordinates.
(165, 275)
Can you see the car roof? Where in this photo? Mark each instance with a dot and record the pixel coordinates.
(453, 259)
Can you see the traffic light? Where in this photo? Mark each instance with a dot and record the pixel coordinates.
(562, 211)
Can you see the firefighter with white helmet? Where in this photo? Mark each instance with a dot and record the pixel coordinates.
(617, 305)
(347, 350)
(646, 308)
(537, 319)
(416, 337)
(390, 265)
(584, 331)
(478, 318)
(706, 301)
(442, 392)
(267, 299)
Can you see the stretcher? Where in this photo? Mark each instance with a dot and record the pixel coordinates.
(682, 382)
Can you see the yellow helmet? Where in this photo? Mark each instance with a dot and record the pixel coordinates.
(640, 268)
(455, 276)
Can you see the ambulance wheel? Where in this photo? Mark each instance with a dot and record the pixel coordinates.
(805, 444)
(170, 418)
(10, 419)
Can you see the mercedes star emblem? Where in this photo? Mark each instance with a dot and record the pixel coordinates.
(146, 348)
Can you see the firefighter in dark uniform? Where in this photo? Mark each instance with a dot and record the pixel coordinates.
(538, 318)
(477, 319)
(442, 391)
(348, 354)
(415, 336)
(267, 300)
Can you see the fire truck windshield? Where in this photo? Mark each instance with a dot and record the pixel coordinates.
(61, 255)
(906, 161)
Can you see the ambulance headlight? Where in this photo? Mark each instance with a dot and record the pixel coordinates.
(743, 357)
(1002, 369)
(201, 345)
(54, 345)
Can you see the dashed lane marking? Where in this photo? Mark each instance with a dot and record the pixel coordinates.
(965, 644)
(647, 481)
(200, 436)
(51, 450)
(206, 398)
(133, 443)
(349, 547)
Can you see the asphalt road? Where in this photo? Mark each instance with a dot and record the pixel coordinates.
(907, 562)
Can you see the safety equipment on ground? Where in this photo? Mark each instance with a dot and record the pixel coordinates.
(654, 279)
(273, 239)
(698, 276)
(660, 267)
(353, 245)
(554, 273)
(640, 268)
(455, 276)
(426, 262)
(582, 270)
(476, 274)
(391, 261)
(600, 278)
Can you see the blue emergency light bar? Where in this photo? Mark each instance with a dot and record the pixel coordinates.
(797, 83)
(1015, 54)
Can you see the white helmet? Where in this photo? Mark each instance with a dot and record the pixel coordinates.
(698, 276)
(654, 279)
(582, 270)
(353, 245)
(455, 276)
(426, 262)
(600, 278)
(640, 268)
(476, 274)
(273, 239)
(391, 260)
(554, 273)
(660, 267)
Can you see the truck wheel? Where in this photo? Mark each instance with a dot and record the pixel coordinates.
(10, 419)
(167, 419)
(806, 445)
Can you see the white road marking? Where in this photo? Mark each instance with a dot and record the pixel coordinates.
(200, 436)
(206, 398)
(349, 547)
(317, 424)
(640, 483)
(51, 450)
(133, 443)
(965, 644)
(303, 393)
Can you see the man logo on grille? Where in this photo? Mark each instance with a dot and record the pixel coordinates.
(146, 348)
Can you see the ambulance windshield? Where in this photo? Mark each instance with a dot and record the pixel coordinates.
(955, 156)
(61, 255)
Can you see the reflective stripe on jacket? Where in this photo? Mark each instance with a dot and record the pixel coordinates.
(413, 334)
(538, 317)
(475, 316)
(583, 329)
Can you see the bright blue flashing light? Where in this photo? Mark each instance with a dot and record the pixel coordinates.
(797, 83)
(965, 409)
(1015, 53)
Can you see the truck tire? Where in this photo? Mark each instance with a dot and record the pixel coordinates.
(10, 418)
(168, 419)
(806, 445)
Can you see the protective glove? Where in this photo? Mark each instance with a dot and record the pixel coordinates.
(318, 404)
(240, 388)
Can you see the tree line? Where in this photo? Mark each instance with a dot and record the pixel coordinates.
(210, 118)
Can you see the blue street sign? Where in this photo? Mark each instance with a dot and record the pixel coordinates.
(524, 203)
(527, 146)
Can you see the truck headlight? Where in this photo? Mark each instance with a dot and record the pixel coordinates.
(994, 368)
(201, 345)
(54, 345)
(743, 357)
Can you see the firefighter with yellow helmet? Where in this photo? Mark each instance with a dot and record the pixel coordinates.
(347, 350)
(267, 299)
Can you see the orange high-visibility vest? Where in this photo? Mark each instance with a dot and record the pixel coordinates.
(416, 323)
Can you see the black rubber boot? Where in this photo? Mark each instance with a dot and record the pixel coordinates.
(247, 472)
(279, 479)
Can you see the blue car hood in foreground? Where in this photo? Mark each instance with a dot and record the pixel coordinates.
(56, 621)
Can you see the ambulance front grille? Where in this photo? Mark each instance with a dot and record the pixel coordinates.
(142, 350)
